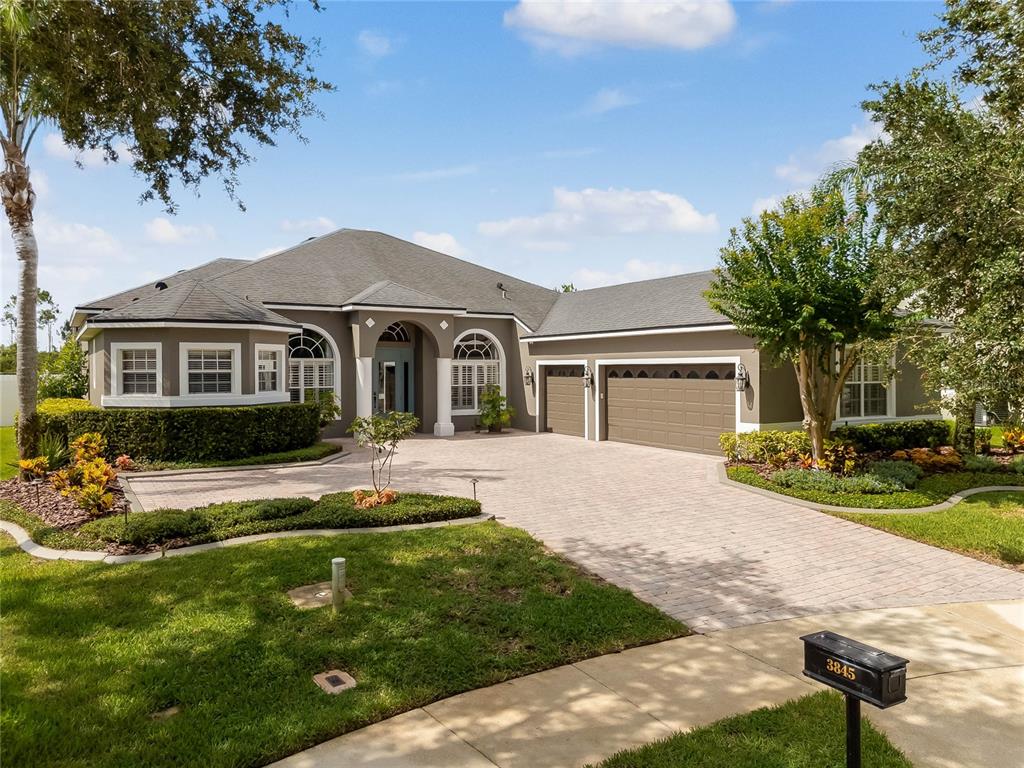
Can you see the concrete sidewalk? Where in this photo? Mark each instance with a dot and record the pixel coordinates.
(965, 692)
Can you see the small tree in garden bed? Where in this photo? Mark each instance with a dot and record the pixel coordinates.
(381, 433)
(802, 280)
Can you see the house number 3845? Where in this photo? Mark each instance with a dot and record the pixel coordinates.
(838, 668)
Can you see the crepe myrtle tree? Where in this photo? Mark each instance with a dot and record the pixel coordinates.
(801, 280)
(382, 433)
(180, 90)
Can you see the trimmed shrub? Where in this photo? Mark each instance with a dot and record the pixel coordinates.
(807, 480)
(763, 447)
(869, 484)
(903, 472)
(194, 434)
(981, 464)
(225, 521)
(895, 435)
(1017, 465)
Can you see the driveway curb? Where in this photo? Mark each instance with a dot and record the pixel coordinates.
(24, 540)
(956, 498)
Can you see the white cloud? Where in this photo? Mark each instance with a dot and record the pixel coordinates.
(90, 240)
(439, 173)
(166, 232)
(40, 183)
(805, 168)
(608, 100)
(375, 44)
(443, 242)
(632, 270)
(55, 147)
(606, 211)
(318, 225)
(570, 27)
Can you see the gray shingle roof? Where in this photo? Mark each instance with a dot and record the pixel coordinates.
(331, 269)
(192, 301)
(389, 294)
(202, 272)
(665, 302)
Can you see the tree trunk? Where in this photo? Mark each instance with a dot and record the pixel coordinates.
(963, 431)
(19, 199)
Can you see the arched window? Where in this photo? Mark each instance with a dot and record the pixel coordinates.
(675, 375)
(731, 373)
(642, 374)
(712, 374)
(310, 365)
(476, 364)
(613, 375)
(395, 332)
(627, 374)
(692, 374)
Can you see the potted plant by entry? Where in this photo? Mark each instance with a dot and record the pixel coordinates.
(495, 412)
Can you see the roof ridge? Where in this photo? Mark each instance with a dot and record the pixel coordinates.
(639, 282)
(179, 273)
(195, 285)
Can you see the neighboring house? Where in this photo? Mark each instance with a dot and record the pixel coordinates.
(388, 325)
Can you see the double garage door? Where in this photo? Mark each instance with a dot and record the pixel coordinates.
(685, 407)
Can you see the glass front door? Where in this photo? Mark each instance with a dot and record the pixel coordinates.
(393, 380)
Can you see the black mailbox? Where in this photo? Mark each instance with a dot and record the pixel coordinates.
(856, 669)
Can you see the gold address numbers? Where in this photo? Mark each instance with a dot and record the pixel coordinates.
(838, 668)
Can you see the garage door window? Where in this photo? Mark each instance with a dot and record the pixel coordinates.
(476, 364)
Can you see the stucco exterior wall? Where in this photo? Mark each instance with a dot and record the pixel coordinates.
(170, 340)
(780, 399)
(912, 398)
(653, 346)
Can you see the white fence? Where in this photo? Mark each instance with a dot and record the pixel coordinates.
(8, 398)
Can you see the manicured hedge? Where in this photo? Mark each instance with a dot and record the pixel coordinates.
(216, 522)
(193, 434)
(896, 435)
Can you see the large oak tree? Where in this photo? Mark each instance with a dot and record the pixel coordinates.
(948, 180)
(180, 89)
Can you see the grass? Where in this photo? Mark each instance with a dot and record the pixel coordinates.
(90, 650)
(310, 453)
(989, 526)
(930, 490)
(217, 522)
(8, 453)
(807, 733)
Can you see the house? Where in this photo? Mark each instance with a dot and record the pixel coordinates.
(388, 325)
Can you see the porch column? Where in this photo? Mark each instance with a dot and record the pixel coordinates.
(364, 386)
(444, 426)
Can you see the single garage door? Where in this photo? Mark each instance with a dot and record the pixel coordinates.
(685, 407)
(564, 399)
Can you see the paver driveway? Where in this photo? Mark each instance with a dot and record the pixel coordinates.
(654, 521)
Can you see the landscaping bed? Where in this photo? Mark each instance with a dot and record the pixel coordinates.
(987, 526)
(93, 651)
(313, 452)
(805, 733)
(173, 528)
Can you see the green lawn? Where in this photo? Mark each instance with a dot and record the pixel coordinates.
(310, 453)
(90, 650)
(988, 525)
(931, 490)
(806, 733)
(8, 453)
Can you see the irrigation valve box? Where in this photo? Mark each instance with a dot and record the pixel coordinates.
(856, 669)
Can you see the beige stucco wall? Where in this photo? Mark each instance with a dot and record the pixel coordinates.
(170, 340)
(668, 346)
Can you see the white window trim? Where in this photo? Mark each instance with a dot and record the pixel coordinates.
(502, 361)
(334, 351)
(281, 350)
(741, 426)
(117, 385)
(185, 347)
(538, 378)
(890, 400)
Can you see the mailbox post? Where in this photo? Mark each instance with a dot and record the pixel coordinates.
(861, 673)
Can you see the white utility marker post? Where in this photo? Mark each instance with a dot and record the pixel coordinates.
(337, 582)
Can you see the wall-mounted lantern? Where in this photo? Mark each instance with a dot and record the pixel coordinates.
(588, 377)
(742, 377)
(528, 377)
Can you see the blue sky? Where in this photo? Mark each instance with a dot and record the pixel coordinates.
(586, 143)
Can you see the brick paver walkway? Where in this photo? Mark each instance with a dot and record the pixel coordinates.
(653, 521)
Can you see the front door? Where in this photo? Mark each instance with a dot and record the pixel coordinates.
(393, 380)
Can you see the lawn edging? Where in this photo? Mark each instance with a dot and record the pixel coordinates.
(722, 476)
(25, 542)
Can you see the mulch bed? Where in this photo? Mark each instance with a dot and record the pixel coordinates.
(42, 499)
